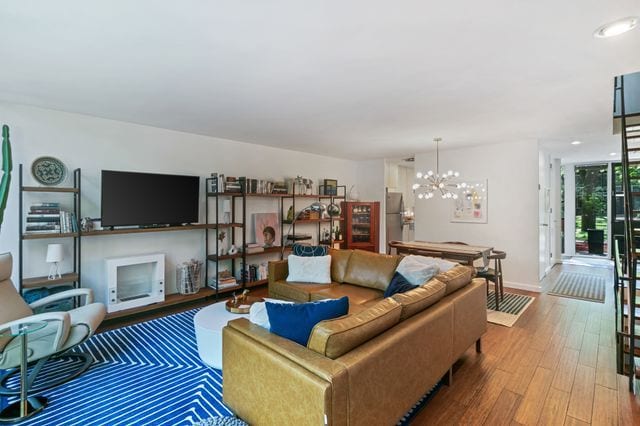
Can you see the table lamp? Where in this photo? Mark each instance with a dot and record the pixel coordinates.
(54, 256)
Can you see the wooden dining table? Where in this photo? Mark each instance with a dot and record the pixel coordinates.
(462, 253)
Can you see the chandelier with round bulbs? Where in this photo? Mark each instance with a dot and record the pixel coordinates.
(430, 183)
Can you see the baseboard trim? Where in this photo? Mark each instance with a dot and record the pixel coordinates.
(523, 286)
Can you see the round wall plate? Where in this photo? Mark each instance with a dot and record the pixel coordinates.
(48, 171)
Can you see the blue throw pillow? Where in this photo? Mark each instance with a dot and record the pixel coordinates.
(295, 321)
(398, 284)
(309, 251)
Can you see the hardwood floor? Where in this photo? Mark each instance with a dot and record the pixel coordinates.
(555, 366)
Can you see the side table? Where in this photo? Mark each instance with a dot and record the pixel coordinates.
(27, 406)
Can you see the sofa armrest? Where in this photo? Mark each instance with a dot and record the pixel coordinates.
(317, 364)
(278, 270)
(272, 380)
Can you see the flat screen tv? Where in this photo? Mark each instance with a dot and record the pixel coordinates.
(130, 198)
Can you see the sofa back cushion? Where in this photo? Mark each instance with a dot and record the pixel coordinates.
(419, 299)
(456, 277)
(334, 338)
(339, 262)
(372, 270)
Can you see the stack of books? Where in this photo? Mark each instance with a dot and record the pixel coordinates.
(254, 248)
(47, 218)
(256, 272)
(279, 188)
(224, 280)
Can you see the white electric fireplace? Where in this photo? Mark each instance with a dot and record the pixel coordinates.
(134, 281)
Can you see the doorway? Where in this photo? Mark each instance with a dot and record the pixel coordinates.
(591, 231)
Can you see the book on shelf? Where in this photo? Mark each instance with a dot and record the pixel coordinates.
(224, 280)
(253, 248)
(43, 218)
(35, 211)
(222, 286)
(41, 231)
(45, 206)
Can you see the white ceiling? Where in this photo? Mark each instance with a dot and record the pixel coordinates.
(355, 79)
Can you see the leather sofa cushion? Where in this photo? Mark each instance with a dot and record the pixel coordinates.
(456, 277)
(299, 292)
(357, 295)
(371, 270)
(334, 338)
(418, 299)
(339, 262)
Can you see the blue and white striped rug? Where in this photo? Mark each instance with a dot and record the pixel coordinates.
(145, 374)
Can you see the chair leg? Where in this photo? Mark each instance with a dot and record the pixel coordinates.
(85, 359)
(479, 346)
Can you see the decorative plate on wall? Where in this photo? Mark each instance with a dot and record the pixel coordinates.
(48, 171)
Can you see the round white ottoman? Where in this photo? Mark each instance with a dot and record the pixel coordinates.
(209, 323)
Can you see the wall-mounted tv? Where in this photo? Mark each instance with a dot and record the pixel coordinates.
(130, 198)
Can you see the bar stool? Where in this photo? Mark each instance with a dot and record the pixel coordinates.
(494, 275)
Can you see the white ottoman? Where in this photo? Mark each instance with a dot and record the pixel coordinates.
(209, 323)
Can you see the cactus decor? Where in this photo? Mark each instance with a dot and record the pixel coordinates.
(6, 171)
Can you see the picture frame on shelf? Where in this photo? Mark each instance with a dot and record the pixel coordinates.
(330, 187)
(266, 228)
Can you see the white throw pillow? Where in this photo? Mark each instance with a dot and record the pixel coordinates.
(417, 269)
(258, 313)
(312, 269)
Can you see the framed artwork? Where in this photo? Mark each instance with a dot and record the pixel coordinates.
(266, 229)
(330, 187)
(472, 203)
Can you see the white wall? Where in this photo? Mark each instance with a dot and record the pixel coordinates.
(512, 173)
(93, 144)
(370, 181)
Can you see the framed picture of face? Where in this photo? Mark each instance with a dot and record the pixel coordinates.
(266, 229)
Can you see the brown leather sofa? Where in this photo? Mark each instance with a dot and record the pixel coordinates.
(369, 367)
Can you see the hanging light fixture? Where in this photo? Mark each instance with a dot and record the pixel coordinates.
(430, 183)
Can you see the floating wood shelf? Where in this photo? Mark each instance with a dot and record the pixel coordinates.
(145, 230)
(256, 283)
(215, 258)
(48, 189)
(172, 299)
(266, 195)
(307, 221)
(227, 289)
(45, 281)
(49, 235)
(266, 250)
(225, 194)
(306, 196)
(225, 225)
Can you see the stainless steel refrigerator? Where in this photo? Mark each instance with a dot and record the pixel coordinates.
(394, 216)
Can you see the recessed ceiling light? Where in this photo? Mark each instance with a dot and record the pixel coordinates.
(616, 28)
(612, 154)
(576, 143)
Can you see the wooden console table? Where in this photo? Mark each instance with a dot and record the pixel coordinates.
(460, 252)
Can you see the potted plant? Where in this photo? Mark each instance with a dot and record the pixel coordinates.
(5, 183)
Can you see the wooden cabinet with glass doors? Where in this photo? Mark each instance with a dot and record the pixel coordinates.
(361, 222)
